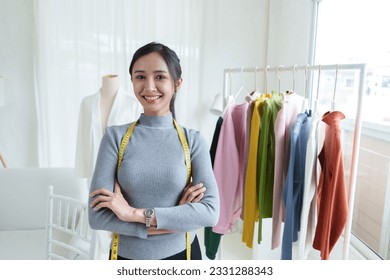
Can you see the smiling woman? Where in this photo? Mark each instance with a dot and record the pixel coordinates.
(155, 205)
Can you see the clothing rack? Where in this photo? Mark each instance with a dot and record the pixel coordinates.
(362, 68)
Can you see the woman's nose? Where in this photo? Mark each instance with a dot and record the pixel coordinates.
(150, 86)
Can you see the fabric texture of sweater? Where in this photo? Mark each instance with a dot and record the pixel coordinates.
(229, 166)
(153, 175)
(266, 159)
(332, 194)
(251, 210)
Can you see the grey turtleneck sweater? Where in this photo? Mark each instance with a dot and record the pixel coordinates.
(153, 175)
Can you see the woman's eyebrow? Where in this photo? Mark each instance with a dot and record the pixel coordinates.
(157, 71)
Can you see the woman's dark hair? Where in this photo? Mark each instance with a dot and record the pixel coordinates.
(170, 58)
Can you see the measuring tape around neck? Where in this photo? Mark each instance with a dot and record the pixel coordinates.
(184, 143)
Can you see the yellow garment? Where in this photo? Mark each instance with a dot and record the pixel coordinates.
(251, 212)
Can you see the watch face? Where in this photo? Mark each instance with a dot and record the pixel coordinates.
(149, 212)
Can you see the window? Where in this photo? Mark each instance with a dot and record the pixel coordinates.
(350, 31)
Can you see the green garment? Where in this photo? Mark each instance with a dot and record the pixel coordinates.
(266, 158)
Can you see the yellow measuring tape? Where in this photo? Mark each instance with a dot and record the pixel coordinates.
(184, 143)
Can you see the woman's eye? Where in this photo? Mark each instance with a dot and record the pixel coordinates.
(160, 77)
(140, 77)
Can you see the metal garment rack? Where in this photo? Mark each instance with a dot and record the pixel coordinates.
(362, 68)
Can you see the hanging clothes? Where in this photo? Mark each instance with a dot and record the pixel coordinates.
(251, 98)
(293, 189)
(251, 211)
(332, 196)
(125, 109)
(212, 239)
(229, 166)
(309, 204)
(291, 106)
(266, 159)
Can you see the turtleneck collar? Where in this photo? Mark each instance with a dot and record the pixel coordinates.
(156, 121)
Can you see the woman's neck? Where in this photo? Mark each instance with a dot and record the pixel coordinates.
(110, 85)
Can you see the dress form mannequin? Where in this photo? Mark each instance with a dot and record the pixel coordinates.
(111, 105)
(109, 89)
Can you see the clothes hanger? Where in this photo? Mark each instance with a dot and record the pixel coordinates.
(256, 91)
(277, 75)
(293, 87)
(333, 104)
(295, 66)
(318, 90)
(227, 100)
(242, 88)
(305, 100)
(267, 94)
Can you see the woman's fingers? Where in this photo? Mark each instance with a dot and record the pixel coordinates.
(192, 193)
(101, 191)
(199, 197)
(99, 200)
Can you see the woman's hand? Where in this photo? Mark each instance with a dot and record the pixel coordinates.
(192, 193)
(114, 201)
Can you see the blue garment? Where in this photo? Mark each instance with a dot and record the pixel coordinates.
(294, 186)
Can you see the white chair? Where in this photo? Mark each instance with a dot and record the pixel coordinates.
(68, 234)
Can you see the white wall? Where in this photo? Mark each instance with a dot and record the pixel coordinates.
(234, 36)
(289, 38)
(18, 138)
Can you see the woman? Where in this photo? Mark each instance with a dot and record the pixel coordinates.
(148, 206)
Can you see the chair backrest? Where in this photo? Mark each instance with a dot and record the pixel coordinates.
(67, 230)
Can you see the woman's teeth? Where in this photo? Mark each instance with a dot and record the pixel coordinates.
(152, 97)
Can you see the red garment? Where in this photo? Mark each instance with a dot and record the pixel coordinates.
(332, 196)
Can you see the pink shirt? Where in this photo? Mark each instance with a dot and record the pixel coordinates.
(229, 167)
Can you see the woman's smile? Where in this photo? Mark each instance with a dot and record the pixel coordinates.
(151, 98)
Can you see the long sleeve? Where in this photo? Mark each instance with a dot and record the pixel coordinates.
(104, 177)
(309, 203)
(266, 160)
(201, 214)
(84, 159)
(229, 166)
(251, 213)
(294, 184)
(153, 174)
(332, 197)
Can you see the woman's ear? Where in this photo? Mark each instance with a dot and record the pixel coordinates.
(178, 84)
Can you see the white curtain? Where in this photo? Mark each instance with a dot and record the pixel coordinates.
(77, 42)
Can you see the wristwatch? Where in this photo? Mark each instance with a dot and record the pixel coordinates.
(149, 212)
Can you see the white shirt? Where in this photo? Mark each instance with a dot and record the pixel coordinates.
(125, 109)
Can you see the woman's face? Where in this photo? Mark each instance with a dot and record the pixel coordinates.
(153, 85)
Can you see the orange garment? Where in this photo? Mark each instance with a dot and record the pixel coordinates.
(332, 197)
